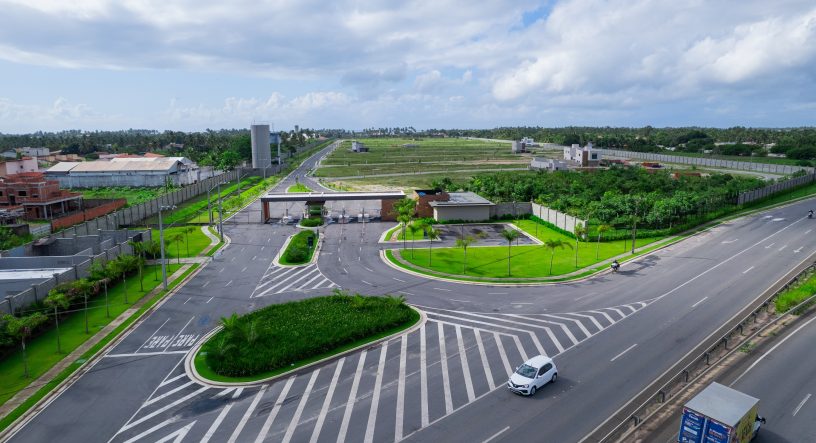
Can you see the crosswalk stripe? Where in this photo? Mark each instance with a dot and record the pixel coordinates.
(283, 281)
(221, 416)
(400, 410)
(444, 364)
(152, 430)
(167, 394)
(591, 318)
(313, 271)
(502, 354)
(488, 374)
(355, 384)
(465, 366)
(375, 397)
(247, 414)
(275, 409)
(329, 394)
(301, 404)
(608, 317)
(563, 327)
(179, 435)
(166, 407)
(533, 336)
(423, 378)
(574, 320)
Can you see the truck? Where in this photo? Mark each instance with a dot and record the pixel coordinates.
(719, 414)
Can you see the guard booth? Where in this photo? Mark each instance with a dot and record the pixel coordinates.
(312, 199)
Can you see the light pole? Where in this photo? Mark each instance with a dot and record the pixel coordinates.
(220, 216)
(161, 243)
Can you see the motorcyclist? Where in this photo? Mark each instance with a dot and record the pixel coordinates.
(615, 265)
(810, 213)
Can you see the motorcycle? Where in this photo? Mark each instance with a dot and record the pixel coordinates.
(615, 266)
(810, 213)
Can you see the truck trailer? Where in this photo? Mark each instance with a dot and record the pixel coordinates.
(719, 414)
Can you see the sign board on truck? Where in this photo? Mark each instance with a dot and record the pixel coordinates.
(691, 427)
(718, 414)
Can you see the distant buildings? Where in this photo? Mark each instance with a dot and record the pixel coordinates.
(10, 167)
(358, 146)
(518, 147)
(126, 171)
(39, 198)
(583, 157)
(548, 164)
(444, 206)
(529, 142)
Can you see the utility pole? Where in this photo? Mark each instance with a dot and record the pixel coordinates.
(220, 217)
(161, 244)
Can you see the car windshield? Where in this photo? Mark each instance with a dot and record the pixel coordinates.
(526, 370)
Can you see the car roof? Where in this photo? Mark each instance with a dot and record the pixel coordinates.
(538, 361)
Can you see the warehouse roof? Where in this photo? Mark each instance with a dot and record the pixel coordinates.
(62, 167)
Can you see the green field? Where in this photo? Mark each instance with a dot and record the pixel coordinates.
(388, 156)
(526, 261)
(134, 196)
(298, 187)
(197, 241)
(42, 350)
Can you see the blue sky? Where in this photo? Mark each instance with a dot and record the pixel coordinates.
(196, 64)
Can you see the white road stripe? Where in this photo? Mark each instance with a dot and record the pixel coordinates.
(355, 384)
(747, 270)
(301, 404)
(280, 282)
(533, 336)
(608, 317)
(701, 300)
(802, 403)
(327, 402)
(166, 407)
(143, 354)
(294, 282)
(771, 350)
(375, 396)
(366, 282)
(243, 269)
(576, 321)
(441, 289)
(179, 333)
(423, 378)
(461, 301)
(228, 283)
(395, 278)
(167, 382)
(783, 247)
(443, 361)
(368, 269)
(188, 299)
(465, 366)
(591, 318)
(311, 280)
(627, 306)
(563, 327)
(153, 334)
(247, 415)
(178, 436)
(220, 418)
(497, 293)
(205, 284)
(401, 389)
(492, 437)
(321, 283)
(275, 409)
(209, 299)
(404, 292)
(624, 352)
(488, 374)
(152, 430)
(521, 350)
(618, 311)
(502, 354)
(166, 394)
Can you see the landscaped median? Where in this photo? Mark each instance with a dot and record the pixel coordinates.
(298, 250)
(267, 343)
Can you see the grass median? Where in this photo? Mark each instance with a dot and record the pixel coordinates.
(299, 187)
(285, 336)
(298, 251)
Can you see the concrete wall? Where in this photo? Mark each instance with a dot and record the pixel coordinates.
(563, 221)
(510, 208)
(757, 194)
(468, 213)
(92, 211)
(706, 162)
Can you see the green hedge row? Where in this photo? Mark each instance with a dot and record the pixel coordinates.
(298, 250)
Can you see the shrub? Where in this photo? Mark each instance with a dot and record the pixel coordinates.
(311, 222)
(280, 335)
(298, 251)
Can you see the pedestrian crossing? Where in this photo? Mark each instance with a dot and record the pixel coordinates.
(280, 279)
(383, 393)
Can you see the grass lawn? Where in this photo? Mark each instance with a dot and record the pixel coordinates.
(796, 294)
(285, 334)
(299, 187)
(396, 234)
(42, 350)
(195, 209)
(197, 241)
(297, 251)
(526, 261)
(133, 195)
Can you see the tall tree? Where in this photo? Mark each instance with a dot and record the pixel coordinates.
(21, 328)
(601, 230)
(432, 234)
(579, 232)
(552, 244)
(464, 243)
(509, 235)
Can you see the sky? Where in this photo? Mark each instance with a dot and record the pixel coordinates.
(195, 64)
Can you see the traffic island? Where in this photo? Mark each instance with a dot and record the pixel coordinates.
(298, 250)
(291, 337)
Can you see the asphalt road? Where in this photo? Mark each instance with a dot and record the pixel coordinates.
(611, 335)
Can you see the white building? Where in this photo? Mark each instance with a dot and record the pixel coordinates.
(584, 157)
(529, 142)
(127, 171)
(466, 206)
(9, 167)
(548, 164)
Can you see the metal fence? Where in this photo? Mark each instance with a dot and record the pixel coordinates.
(767, 191)
(707, 162)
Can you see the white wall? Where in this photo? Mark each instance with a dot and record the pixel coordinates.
(468, 213)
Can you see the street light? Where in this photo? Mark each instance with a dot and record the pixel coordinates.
(161, 243)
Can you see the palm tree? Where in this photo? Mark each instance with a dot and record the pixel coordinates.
(464, 243)
(138, 249)
(188, 230)
(601, 230)
(414, 227)
(404, 219)
(56, 300)
(579, 231)
(552, 244)
(509, 235)
(432, 234)
(175, 238)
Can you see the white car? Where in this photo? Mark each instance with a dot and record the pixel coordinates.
(532, 375)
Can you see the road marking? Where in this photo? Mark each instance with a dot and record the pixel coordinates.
(520, 303)
(368, 269)
(462, 301)
(726, 242)
(233, 258)
(769, 246)
(444, 364)
(165, 408)
(497, 293)
(492, 437)
(441, 289)
(210, 299)
(243, 269)
(808, 231)
(326, 403)
(465, 366)
(747, 270)
(221, 270)
(167, 394)
(395, 278)
(624, 352)
(153, 429)
(169, 343)
(242, 249)
(577, 323)
(404, 292)
(301, 404)
(366, 282)
(520, 348)
(166, 382)
(143, 354)
(587, 295)
(423, 378)
(401, 389)
(802, 403)
(153, 334)
(220, 418)
(205, 284)
(771, 350)
(533, 336)
(228, 283)
(345, 271)
(185, 302)
(355, 384)
(375, 397)
(701, 300)
(275, 409)
(563, 327)
(247, 415)
(796, 251)
(783, 247)
(488, 374)
(255, 256)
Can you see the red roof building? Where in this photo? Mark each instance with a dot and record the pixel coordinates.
(41, 199)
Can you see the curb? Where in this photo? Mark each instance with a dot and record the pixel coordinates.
(192, 372)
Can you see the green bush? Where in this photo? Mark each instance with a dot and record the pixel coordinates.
(311, 222)
(298, 251)
(280, 335)
(796, 294)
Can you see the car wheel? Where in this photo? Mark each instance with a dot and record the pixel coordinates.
(532, 390)
(554, 378)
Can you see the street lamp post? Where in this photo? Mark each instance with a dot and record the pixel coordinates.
(220, 216)
(161, 243)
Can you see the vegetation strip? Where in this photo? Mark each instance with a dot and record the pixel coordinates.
(297, 250)
(299, 187)
(282, 337)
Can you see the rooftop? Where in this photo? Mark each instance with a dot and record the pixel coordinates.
(118, 164)
(463, 199)
(722, 403)
(330, 196)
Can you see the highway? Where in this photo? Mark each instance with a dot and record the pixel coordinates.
(611, 335)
